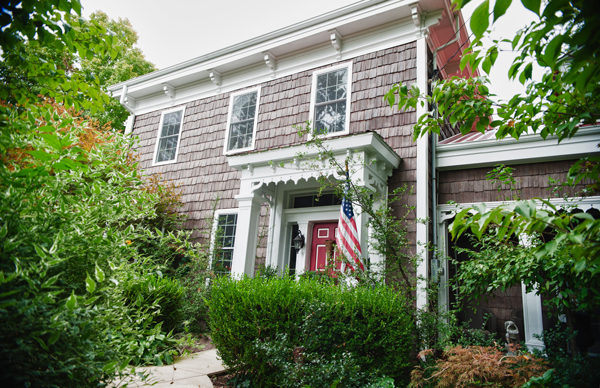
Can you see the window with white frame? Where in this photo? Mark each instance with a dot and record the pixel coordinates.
(169, 133)
(241, 125)
(224, 242)
(330, 106)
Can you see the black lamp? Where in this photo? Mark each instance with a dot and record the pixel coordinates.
(298, 241)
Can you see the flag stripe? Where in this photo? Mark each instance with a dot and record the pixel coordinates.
(347, 238)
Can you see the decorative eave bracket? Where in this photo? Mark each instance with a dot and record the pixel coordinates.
(169, 91)
(128, 102)
(336, 42)
(418, 17)
(215, 78)
(271, 62)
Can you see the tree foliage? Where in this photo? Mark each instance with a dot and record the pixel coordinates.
(75, 214)
(129, 64)
(67, 58)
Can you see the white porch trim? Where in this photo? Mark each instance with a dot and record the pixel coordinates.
(528, 149)
(271, 176)
(532, 303)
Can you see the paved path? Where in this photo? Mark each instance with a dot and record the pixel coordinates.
(187, 372)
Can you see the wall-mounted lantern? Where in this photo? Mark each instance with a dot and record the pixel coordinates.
(298, 241)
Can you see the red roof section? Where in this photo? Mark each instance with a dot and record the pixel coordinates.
(471, 136)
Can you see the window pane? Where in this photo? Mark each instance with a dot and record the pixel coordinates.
(321, 81)
(226, 233)
(169, 136)
(332, 78)
(242, 121)
(332, 86)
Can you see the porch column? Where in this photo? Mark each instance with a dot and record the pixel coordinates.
(244, 253)
(532, 317)
(302, 261)
(376, 259)
(422, 185)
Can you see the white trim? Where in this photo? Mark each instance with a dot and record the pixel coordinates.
(583, 203)
(422, 184)
(228, 128)
(369, 142)
(313, 97)
(529, 148)
(377, 28)
(215, 225)
(160, 124)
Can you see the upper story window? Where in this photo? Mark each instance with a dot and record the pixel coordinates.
(169, 133)
(241, 123)
(330, 106)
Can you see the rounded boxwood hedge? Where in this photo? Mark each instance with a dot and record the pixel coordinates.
(372, 324)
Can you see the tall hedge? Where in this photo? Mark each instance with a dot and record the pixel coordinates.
(372, 326)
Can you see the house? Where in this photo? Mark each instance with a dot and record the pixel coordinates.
(222, 126)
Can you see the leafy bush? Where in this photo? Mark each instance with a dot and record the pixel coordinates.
(259, 323)
(72, 208)
(579, 371)
(194, 275)
(162, 293)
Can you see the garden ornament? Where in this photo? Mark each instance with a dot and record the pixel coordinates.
(512, 337)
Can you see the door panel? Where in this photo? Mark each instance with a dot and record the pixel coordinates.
(323, 240)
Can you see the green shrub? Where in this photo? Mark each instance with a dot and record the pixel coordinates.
(163, 294)
(194, 275)
(579, 371)
(366, 331)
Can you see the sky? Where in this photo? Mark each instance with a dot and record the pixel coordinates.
(174, 31)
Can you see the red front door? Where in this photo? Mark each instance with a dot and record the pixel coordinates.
(323, 239)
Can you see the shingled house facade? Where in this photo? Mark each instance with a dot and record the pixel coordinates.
(222, 126)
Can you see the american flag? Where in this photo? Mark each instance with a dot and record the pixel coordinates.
(347, 238)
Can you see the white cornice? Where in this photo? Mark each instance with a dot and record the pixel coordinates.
(528, 149)
(583, 203)
(366, 26)
(288, 32)
(369, 141)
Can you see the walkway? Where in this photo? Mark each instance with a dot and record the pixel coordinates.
(188, 372)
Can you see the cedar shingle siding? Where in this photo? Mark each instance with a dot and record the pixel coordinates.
(465, 186)
(202, 169)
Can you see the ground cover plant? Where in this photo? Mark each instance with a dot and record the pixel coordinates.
(477, 366)
(279, 331)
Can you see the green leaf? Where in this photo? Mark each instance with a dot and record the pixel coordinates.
(124, 363)
(40, 251)
(52, 140)
(47, 128)
(552, 49)
(72, 301)
(486, 65)
(54, 337)
(480, 20)
(110, 367)
(533, 5)
(580, 266)
(42, 156)
(51, 281)
(90, 284)
(99, 274)
(500, 8)
(4, 230)
(41, 342)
